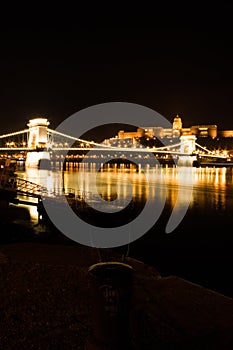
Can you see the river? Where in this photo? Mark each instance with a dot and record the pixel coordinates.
(199, 248)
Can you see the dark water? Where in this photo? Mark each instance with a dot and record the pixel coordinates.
(198, 249)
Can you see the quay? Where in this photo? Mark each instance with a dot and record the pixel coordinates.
(45, 303)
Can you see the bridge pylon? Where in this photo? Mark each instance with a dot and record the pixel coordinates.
(38, 142)
(38, 133)
(188, 146)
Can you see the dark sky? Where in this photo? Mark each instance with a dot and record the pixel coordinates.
(170, 60)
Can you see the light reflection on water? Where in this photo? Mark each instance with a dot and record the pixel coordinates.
(200, 249)
(212, 187)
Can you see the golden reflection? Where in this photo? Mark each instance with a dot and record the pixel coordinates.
(211, 186)
(33, 213)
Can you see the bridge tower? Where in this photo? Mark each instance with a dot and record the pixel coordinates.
(38, 141)
(188, 146)
(38, 134)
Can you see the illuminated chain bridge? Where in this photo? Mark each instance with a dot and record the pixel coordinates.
(38, 144)
(38, 141)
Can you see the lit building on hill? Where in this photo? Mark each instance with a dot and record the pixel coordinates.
(125, 138)
(154, 131)
(204, 131)
(130, 138)
(160, 132)
(225, 133)
(177, 126)
(131, 134)
(178, 130)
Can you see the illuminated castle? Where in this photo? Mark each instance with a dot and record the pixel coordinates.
(177, 126)
(158, 131)
(176, 131)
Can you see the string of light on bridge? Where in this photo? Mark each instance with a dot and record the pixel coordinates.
(14, 133)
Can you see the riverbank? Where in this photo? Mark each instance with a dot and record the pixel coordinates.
(45, 303)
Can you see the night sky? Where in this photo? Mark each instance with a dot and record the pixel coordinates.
(170, 60)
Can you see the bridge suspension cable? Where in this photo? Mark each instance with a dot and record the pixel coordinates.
(205, 149)
(210, 153)
(168, 146)
(14, 133)
(78, 139)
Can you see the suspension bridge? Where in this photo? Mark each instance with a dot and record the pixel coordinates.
(38, 142)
